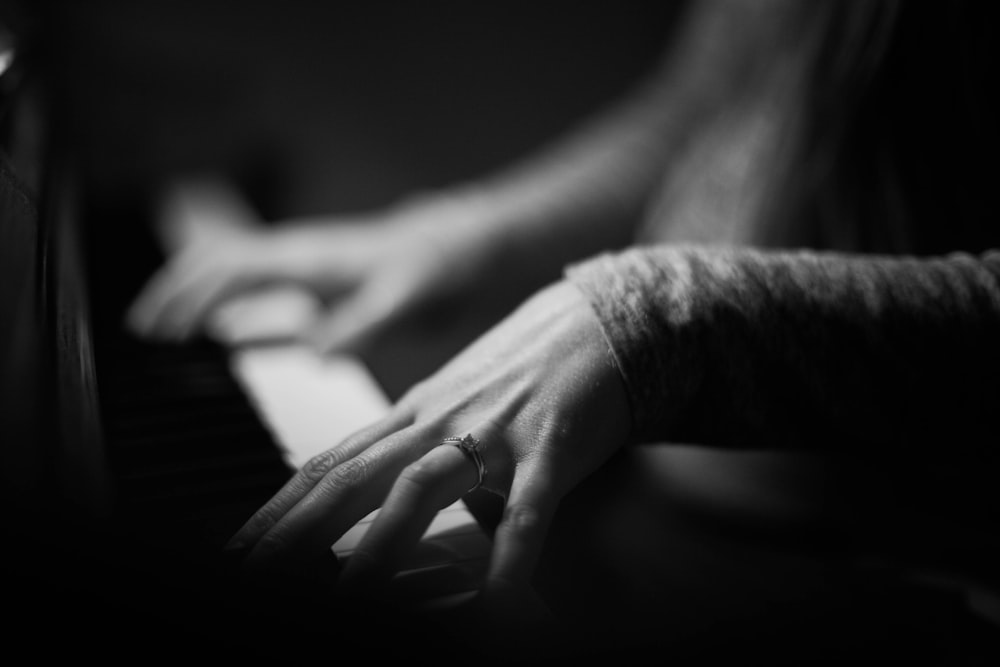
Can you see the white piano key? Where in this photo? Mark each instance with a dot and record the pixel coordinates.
(310, 402)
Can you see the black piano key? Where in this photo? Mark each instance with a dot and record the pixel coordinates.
(186, 447)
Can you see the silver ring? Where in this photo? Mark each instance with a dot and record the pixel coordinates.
(470, 447)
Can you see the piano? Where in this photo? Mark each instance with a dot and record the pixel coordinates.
(128, 464)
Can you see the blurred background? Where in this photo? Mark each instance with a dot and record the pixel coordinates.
(311, 107)
(332, 105)
(319, 107)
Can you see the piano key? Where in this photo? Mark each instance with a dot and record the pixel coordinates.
(185, 446)
(311, 403)
(308, 402)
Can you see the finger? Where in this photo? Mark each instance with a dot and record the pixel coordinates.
(508, 601)
(520, 535)
(187, 308)
(433, 482)
(145, 308)
(368, 311)
(308, 476)
(345, 495)
(174, 297)
(276, 314)
(353, 321)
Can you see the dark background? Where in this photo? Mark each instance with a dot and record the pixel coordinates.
(335, 105)
(316, 107)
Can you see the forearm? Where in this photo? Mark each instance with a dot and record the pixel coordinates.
(737, 347)
(587, 190)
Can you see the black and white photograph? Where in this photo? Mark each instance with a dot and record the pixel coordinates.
(500, 333)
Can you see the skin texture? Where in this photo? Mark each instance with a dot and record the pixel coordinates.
(541, 393)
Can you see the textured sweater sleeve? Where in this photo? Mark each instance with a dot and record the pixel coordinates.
(738, 347)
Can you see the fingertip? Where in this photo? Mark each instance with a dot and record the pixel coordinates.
(354, 322)
(319, 344)
(130, 324)
(236, 543)
(145, 319)
(136, 317)
(145, 329)
(357, 567)
(234, 553)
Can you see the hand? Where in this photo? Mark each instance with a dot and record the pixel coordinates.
(541, 393)
(369, 272)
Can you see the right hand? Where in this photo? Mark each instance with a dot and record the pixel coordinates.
(368, 271)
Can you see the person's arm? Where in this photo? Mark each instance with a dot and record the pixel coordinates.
(582, 194)
(798, 349)
(729, 66)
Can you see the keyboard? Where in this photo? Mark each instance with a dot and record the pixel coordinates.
(311, 402)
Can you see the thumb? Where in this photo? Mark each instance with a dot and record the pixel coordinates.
(355, 320)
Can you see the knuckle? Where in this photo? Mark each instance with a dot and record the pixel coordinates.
(414, 396)
(263, 520)
(320, 465)
(521, 518)
(419, 473)
(271, 543)
(350, 473)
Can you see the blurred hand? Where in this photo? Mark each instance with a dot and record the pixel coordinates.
(367, 271)
(543, 397)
